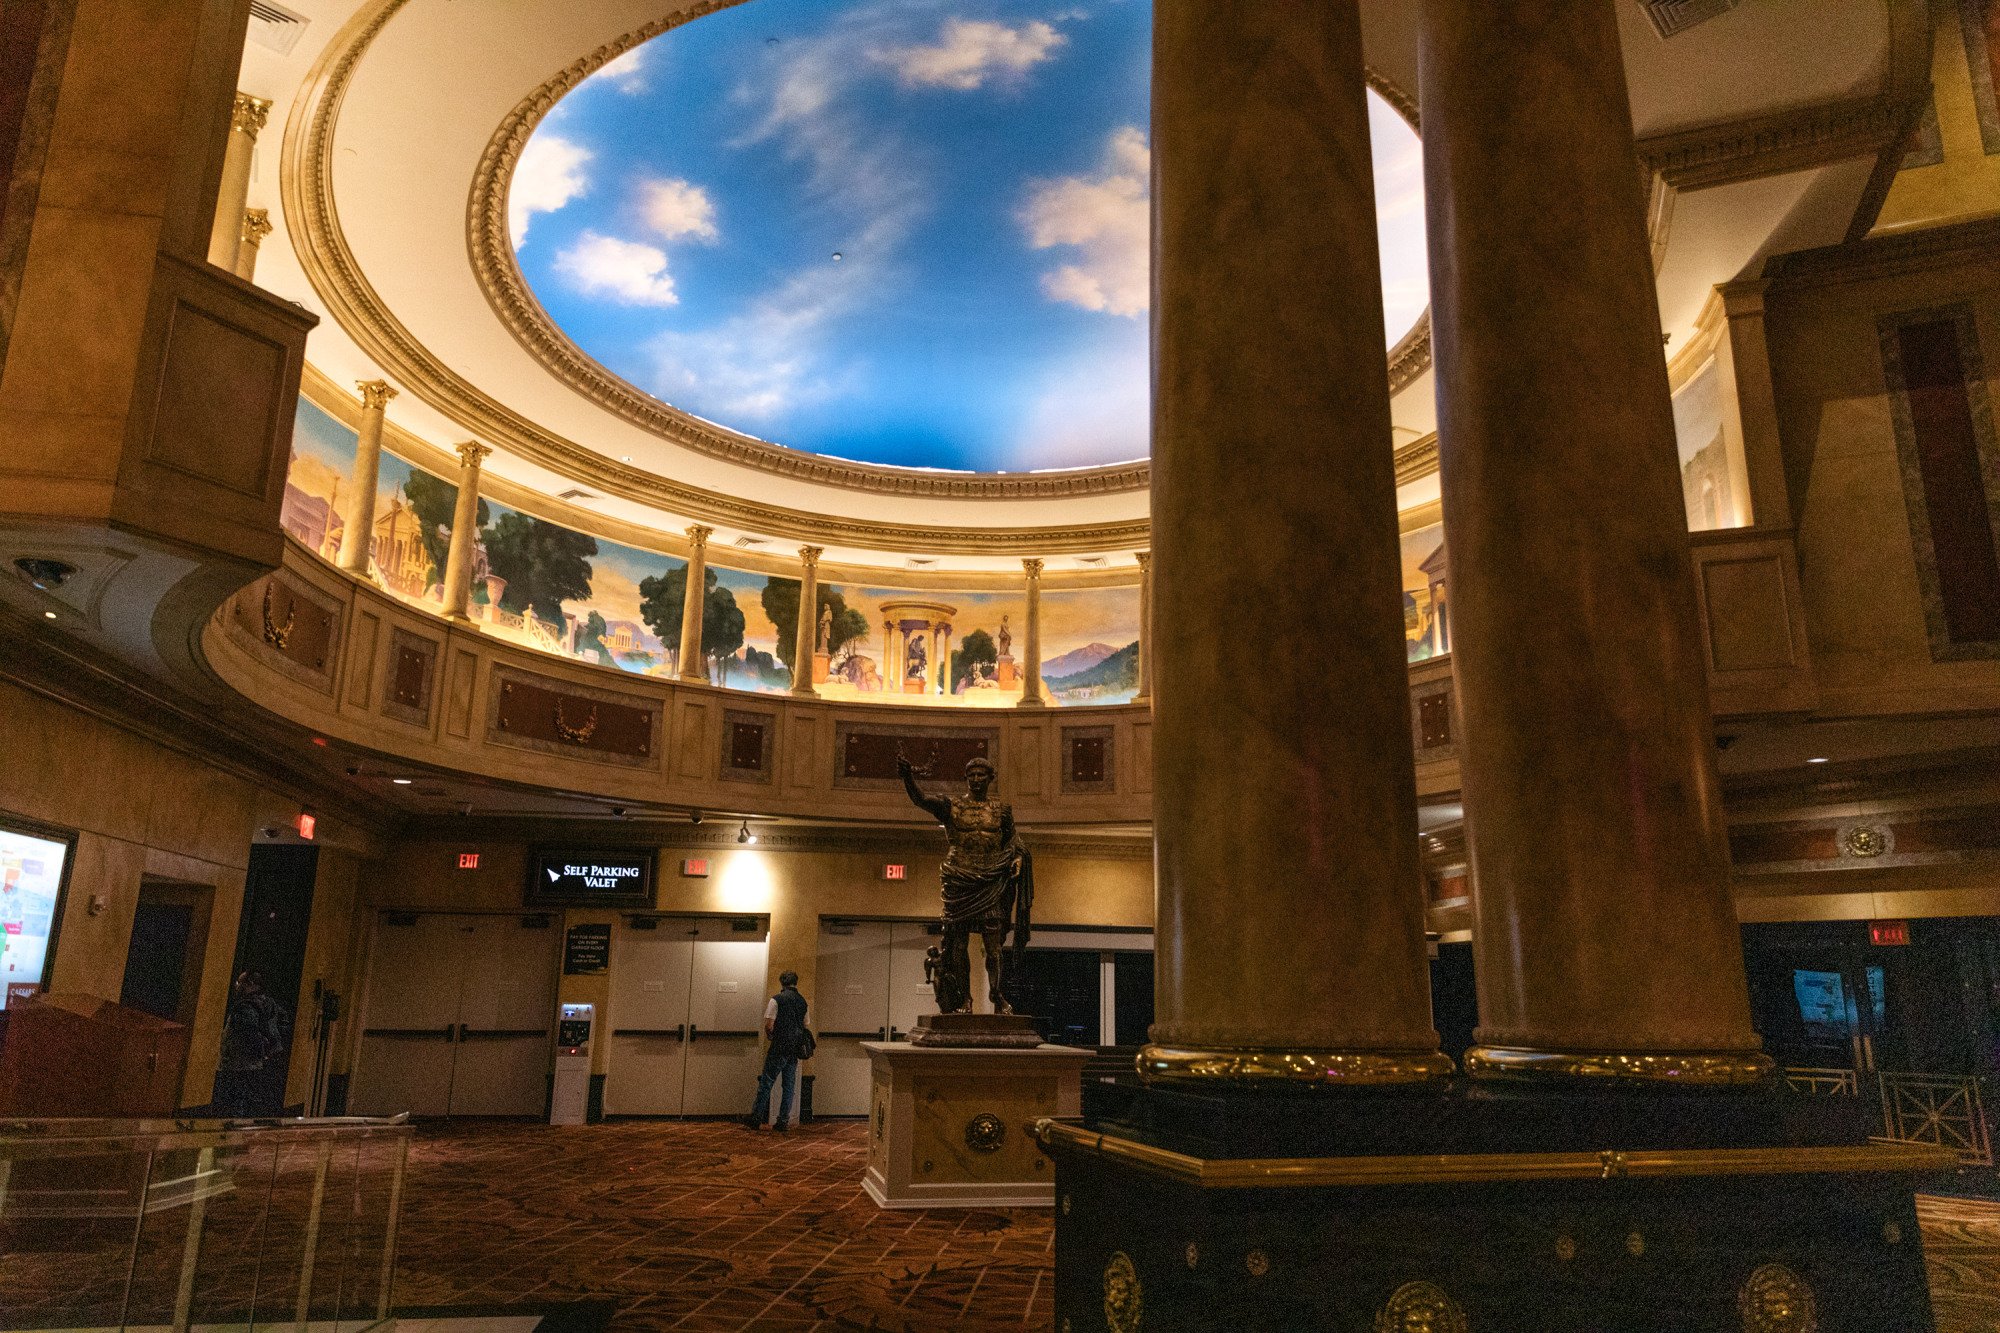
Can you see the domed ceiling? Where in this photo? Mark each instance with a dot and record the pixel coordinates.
(901, 232)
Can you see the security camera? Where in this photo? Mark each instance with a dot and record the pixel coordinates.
(618, 811)
(694, 817)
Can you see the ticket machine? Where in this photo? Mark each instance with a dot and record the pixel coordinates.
(570, 1104)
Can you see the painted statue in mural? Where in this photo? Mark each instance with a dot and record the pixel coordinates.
(825, 640)
(1005, 638)
(989, 886)
(918, 662)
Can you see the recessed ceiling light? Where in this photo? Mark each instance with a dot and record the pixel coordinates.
(836, 256)
(48, 615)
(1818, 759)
(624, 458)
(402, 782)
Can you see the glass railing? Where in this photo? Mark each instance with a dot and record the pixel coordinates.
(179, 1224)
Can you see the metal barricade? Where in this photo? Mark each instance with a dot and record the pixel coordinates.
(1824, 1082)
(177, 1223)
(1948, 1110)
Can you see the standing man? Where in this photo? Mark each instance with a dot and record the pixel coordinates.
(255, 1037)
(785, 1026)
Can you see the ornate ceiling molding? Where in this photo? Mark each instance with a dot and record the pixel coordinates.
(1797, 140)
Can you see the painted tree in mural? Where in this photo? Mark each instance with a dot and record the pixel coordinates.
(543, 563)
(660, 599)
(976, 647)
(781, 605)
(592, 640)
(432, 499)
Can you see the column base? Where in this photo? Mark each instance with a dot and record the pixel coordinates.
(1698, 1069)
(1266, 1067)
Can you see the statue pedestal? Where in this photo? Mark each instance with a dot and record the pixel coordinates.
(1485, 1207)
(822, 668)
(1004, 672)
(948, 1126)
(988, 1031)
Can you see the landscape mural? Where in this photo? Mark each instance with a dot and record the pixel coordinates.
(545, 586)
(1426, 612)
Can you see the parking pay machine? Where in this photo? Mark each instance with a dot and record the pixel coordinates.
(570, 1104)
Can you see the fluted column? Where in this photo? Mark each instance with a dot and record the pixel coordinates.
(944, 659)
(1606, 945)
(1290, 942)
(1145, 694)
(805, 644)
(256, 226)
(695, 603)
(464, 532)
(354, 543)
(225, 240)
(1031, 639)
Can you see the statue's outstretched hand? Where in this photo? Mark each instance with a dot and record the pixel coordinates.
(903, 767)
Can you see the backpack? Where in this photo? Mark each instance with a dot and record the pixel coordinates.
(804, 1046)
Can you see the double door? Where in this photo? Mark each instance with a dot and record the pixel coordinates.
(1824, 998)
(870, 987)
(686, 1016)
(458, 1016)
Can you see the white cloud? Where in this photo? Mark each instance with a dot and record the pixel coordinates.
(626, 271)
(1090, 410)
(1106, 218)
(968, 52)
(677, 210)
(549, 175)
(626, 73)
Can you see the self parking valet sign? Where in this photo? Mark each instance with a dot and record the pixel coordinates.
(591, 876)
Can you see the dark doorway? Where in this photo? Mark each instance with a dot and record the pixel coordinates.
(1132, 995)
(271, 941)
(163, 963)
(1064, 990)
(1454, 1003)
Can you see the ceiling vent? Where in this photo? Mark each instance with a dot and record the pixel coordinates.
(921, 562)
(574, 494)
(1090, 559)
(750, 541)
(1670, 17)
(275, 27)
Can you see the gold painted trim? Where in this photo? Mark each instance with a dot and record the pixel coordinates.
(1463, 1168)
(313, 224)
(1688, 1068)
(1271, 1068)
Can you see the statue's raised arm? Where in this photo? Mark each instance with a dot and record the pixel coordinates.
(937, 807)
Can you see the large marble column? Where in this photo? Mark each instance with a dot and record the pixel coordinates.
(693, 603)
(1606, 946)
(375, 396)
(256, 226)
(805, 644)
(464, 532)
(226, 239)
(1032, 694)
(1145, 694)
(1290, 944)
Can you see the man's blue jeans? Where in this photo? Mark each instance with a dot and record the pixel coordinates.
(774, 1070)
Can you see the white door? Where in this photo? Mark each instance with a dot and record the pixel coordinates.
(850, 1005)
(648, 1016)
(507, 996)
(412, 1016)
(725, 1045)
(910, 996)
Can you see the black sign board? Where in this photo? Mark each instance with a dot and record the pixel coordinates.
(590, 877)
(586, 952)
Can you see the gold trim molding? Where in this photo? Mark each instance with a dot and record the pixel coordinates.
(1687, 1068)
(1273, 1068)
(1609, 1164)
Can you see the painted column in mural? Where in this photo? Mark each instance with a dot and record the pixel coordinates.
(1145, 694)
(1031, 639)
(256, 226)
(887, 673)
(805, 643)
(693, 603)
(225, 239)
(1587, 741)
(464, 533)
(943, 664)
(354, 543)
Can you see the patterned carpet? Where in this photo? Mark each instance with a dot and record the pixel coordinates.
(707, 1226)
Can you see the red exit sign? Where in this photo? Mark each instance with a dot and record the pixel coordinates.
(468, 860)
(893, 872)
(307, 825)
(695, 867)
(1888, 932)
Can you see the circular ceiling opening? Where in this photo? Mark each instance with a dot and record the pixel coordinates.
(902, 232)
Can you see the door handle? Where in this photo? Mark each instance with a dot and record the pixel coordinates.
(883, 1033)
(1868, 1052)
(893, 1034)
(690, 1032)
(451, 1032)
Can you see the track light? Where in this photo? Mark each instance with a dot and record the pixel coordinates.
(744, 835)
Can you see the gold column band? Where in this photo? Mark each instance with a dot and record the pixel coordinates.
(1706, 1069)
(1276, 1068)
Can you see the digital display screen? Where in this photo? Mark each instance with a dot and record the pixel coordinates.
(32, 872)
(595, 876)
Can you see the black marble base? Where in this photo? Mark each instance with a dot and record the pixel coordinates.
(1777, 1249)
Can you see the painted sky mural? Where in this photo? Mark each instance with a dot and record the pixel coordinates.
(545, 586)
(910, 232)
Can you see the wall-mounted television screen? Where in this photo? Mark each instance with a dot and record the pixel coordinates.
(590, 876)
(34, 870)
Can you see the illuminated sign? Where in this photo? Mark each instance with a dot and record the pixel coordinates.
(468, 860)
(34, 871)
(893, 872)
(1888, 932)
(604, 876)
(695, 867)
(307, 823)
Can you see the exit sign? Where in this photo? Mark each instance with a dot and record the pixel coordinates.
(306, 825)
(893, 872)
(695, 867)
(1888, 932)
(468, 860)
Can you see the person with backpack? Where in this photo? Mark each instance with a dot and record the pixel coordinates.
(255, 1036)
(791, 1042)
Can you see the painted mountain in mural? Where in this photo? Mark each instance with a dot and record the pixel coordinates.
(1076, 660)
(1115, 674)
